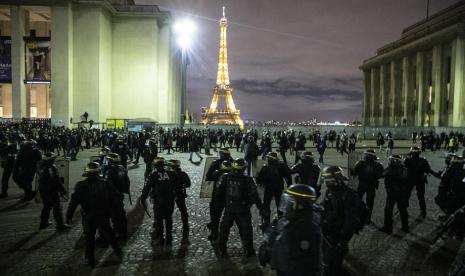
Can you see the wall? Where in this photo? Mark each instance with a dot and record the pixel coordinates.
(135, 71)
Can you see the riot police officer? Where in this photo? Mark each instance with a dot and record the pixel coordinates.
(341, 219)
(26, 166)
(97, 199)
(451, 190)
(417, 168)
(292, 243)
(160, 185)
(149, 154)
(236, 194)
(396, 193)
(102, 155)
(180, 193)
(122, 149)
(369, 171)
(51, 189)
(215, 211)
(272, 176)
(224, 154)
(8, 156)
(118, 176)
(307, 171)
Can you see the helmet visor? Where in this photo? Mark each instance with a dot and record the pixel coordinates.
(287, 203)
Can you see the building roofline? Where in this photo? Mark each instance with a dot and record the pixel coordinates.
(451, 16)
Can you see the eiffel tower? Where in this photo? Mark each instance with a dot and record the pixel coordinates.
(222, 90)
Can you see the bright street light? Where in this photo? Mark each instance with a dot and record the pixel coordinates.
(184, 31)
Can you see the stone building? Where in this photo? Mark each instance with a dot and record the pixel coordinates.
(419, 80)
(111, 59)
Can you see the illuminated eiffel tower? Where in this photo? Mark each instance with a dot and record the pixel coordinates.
(222, 90)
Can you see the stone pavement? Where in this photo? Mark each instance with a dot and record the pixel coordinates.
(25, 250)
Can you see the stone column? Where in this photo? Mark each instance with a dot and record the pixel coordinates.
(373, 119)
(366, 98)
(392, 94)
(164, 109)
(458, 82)
(437, 85)
(420, 88)
(383, 94)
(406, 91)
(62, 64)
(18, 70)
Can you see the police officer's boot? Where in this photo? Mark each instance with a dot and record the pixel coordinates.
(248, 250)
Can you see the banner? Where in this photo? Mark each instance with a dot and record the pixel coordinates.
(5, 60)
(38, 66)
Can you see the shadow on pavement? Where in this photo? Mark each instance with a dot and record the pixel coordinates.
(16, 206)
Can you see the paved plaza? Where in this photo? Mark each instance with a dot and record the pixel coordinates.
(25, 250)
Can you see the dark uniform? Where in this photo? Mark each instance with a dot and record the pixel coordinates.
(417, 168)
(272, 177)
(307, 171)
(216, 165)
(25, 167)
(451, 190)
(340, 220)
(216, 211)
(50, 189)
(149, 154)
(121, 148)
(8, 156)
(236, 194)
(117, 175)
(98, 198)
(397, 191)
(160, 185)
(180, 193)
(369, 171)
(292, 243)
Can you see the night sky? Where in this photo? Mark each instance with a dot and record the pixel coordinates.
(292, 59)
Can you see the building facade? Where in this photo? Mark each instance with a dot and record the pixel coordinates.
(419, 80)
(111, 59)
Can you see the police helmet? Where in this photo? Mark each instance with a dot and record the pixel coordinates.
(174, 163)
(159, 161)
(224, 152)
(104, 151)
(272, 157)
(297, 197)
(226, 165)
(370, 154)
(332, 177)
(30, 142)
(48, 156)
(113, 157)
(395, 159)
(307, 156)
(92, 168)
(449, 157)
(458, 160)
(239, 164)
(415, 150)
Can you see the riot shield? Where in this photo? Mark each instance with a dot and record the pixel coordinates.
(207, 186)
(260, 163)
(352, 159)
(63, 173)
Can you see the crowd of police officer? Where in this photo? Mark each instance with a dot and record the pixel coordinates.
(302, 230)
